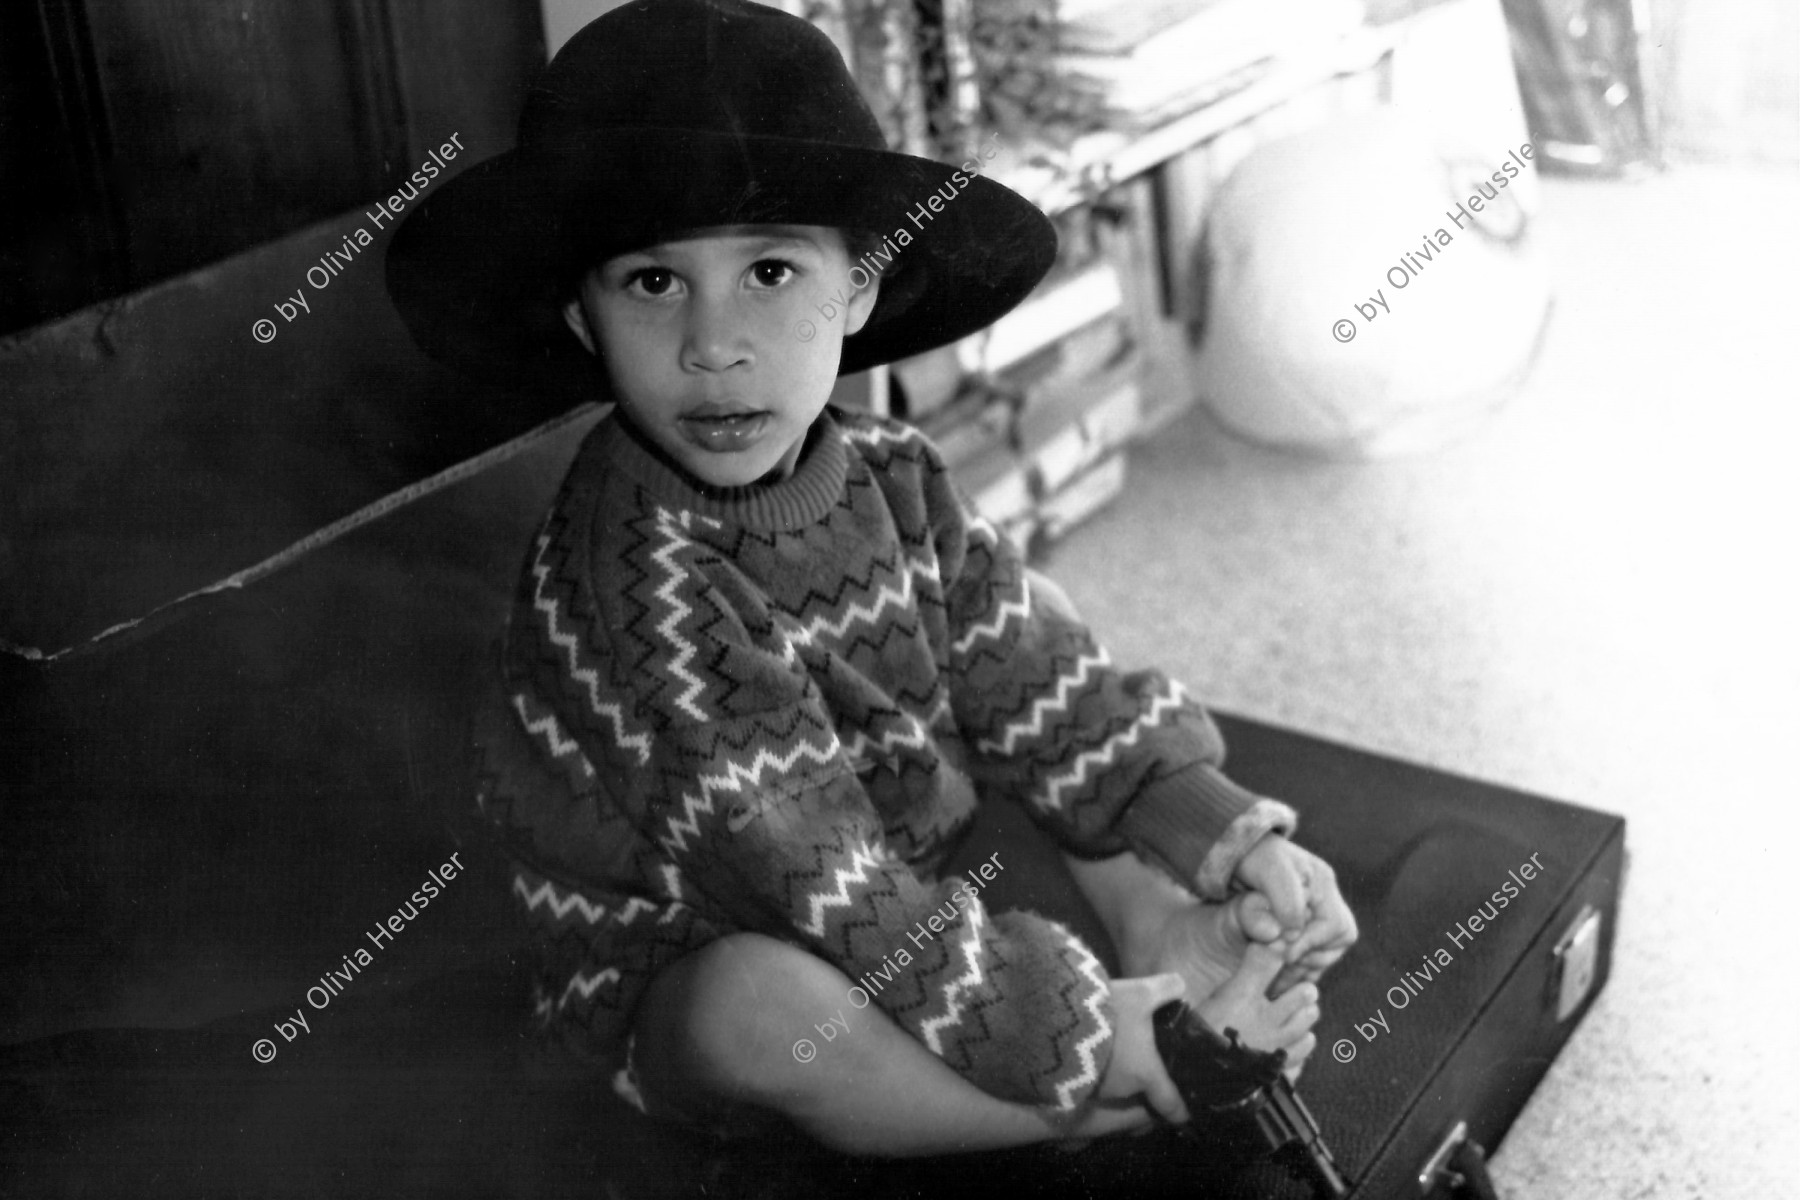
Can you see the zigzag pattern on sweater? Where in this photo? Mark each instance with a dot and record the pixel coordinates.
(1053, 794)
(903, 732)
(819, 870)
(977, 1035)
(591, 975)
(559, 905)
(1006, 607)
(541, 723)
(544, 896)
(739, 779)
(923, 837)
(888, 441)
(670, 627)
(740, 718)
(1032, 727)
(862, 858)
(907, 730)
(1072, 1089)
(659, 630)
(968, 948)
(578, 668)
(631, 561)
(584, 985)
(887, 601)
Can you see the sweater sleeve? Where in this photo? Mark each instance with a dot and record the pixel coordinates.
(1107, 760)
(716, 749)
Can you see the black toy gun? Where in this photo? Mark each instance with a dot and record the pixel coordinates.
(1241, 1099)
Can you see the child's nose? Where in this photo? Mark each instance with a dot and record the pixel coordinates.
(717, 334)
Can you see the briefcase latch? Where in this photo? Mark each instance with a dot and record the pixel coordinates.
(1460, 1165)
(1577, 956)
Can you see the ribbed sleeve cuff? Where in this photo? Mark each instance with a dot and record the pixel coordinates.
(1264, 817)
(1197, 825)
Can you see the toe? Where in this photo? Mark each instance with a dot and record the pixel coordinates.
(1256, 918)
(1295, 999)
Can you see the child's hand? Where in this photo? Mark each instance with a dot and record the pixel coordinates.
(1137, 1068)
(1304, 909)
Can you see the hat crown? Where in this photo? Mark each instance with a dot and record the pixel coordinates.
(665, 117)
(732, 67)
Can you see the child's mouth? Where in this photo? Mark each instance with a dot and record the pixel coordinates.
(723, 432)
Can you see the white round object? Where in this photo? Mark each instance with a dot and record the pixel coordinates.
(1354, 302)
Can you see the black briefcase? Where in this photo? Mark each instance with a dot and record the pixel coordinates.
(1487, 918)
(1423, 1056)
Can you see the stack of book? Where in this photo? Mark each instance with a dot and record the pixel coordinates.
(1049, 396)
(1159, 59)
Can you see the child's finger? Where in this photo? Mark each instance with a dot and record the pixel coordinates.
(1163, 988)
(1294, 1004)
(1291, 974)
(1313, 938)
(1333, 927)
(1162, 1097)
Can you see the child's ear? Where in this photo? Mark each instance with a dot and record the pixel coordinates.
(862, 303)
(576, 319)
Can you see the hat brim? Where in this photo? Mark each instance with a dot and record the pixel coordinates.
(480, 270)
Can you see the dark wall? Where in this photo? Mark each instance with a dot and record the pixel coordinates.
(204, 814)
(143, 138)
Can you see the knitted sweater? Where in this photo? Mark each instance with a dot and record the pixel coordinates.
(775, 709)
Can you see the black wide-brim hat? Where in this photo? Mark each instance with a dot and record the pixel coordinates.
(666, 116)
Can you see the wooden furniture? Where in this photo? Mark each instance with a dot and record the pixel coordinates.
(140, 139)
(1143, 195)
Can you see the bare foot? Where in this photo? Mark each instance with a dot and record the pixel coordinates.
(1242, 1003)
(1219, 951)
(1204, 943)
(1258, 921)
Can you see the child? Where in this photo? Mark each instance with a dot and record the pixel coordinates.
(765, 660)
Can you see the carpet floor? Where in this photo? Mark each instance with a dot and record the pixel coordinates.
(1592, 596)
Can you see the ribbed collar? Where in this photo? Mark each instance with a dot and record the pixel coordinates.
(802, 498)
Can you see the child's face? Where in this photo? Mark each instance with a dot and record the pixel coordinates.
(718, 344)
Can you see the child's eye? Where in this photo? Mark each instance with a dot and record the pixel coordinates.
(652, 281)
(772, 272)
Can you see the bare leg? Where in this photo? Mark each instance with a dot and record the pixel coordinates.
(718, 1029)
